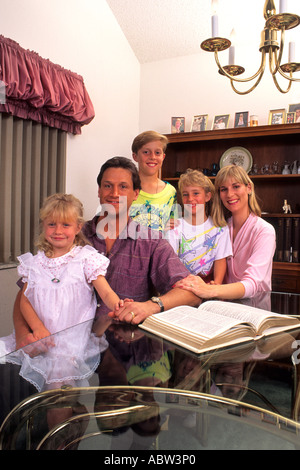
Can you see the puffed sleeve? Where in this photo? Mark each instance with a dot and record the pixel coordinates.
(95, 264)
(24, 266)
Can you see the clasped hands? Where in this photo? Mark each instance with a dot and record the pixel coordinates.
(133, 312)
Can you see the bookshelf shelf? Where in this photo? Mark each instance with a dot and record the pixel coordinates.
(267, 144)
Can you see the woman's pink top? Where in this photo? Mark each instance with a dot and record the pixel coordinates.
(253, 250)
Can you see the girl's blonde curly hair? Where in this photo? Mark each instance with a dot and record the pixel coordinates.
(61, 208)
(197, 178)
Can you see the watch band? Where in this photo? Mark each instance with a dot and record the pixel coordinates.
(158, 301)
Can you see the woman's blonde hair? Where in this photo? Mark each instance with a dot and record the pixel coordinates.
(61, 208)
(238, 174)
(197, 178)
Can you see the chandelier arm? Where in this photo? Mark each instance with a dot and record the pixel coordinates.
(287, 77)
(278, 87)
(260, 70)
(250, 89)
(273, 52)
(291, 78)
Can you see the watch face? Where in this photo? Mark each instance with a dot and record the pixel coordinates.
(159, 302)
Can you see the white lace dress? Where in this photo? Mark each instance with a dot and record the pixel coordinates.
(63, 297)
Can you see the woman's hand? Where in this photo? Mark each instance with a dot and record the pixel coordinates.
(196, 285)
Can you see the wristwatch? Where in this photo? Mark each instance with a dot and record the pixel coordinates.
(157, 300)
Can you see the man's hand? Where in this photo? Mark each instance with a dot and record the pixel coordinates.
(135, 312)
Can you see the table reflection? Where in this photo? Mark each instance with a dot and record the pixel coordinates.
(263, 374)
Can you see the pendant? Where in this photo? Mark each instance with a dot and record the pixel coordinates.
(55, 280)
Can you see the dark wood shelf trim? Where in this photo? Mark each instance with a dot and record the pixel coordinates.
(234, 133)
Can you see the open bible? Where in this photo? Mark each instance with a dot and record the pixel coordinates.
(216, 324)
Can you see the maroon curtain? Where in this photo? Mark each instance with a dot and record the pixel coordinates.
(39, 90)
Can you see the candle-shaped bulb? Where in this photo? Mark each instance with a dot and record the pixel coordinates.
(232, 48)
(291, 52)
(283, 6)
(214, 19)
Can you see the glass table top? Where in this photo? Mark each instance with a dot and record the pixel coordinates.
(133, 390)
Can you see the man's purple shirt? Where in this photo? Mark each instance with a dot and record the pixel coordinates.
(140, 266)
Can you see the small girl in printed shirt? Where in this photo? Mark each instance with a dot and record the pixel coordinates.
(201, 245)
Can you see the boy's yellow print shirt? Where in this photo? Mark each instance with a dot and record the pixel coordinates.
(154, 210)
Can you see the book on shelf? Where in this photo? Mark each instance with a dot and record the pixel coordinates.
(295, 240)
(287, 247)
(217, 324)
(287, 239)
(280, 237)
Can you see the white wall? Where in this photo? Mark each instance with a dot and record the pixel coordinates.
(85, 38)
(191, 85)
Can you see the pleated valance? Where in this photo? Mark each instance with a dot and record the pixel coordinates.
(39, 90)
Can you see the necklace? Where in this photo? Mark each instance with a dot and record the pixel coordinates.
(56, 279)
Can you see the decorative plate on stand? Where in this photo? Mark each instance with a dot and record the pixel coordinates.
(237, 156)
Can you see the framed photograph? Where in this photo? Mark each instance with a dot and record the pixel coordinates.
(241, 119)
(199, 123)
(290, 118)
(177, 125)
(295, 108)
(277, 116)
(221, 121)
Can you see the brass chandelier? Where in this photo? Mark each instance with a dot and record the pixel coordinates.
(269, 45)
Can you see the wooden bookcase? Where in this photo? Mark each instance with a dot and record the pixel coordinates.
(267, 144)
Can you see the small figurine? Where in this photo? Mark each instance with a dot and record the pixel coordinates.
(286, 207)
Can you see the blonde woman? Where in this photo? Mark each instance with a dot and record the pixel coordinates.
(249, 270)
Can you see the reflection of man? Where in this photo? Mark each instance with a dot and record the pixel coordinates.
(139, 265)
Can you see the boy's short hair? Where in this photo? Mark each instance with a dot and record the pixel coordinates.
(126, 164)
(148, 136)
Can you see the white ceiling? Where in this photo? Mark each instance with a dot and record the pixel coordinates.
(163, 29)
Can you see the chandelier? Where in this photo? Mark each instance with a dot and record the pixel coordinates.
(269, 45)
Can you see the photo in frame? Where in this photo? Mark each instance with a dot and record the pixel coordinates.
(220, 122)
(295, 108)
(199, 123)
(177, 125)
(290, 118)
(241, 119)
(277, 116)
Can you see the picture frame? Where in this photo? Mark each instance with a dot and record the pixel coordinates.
(220, 121)
(277, 116)
(177, 124)
(295, 108)
(241, 119)
(290, 118)
(199, 123)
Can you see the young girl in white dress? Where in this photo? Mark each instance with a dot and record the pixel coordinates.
(58, 294)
